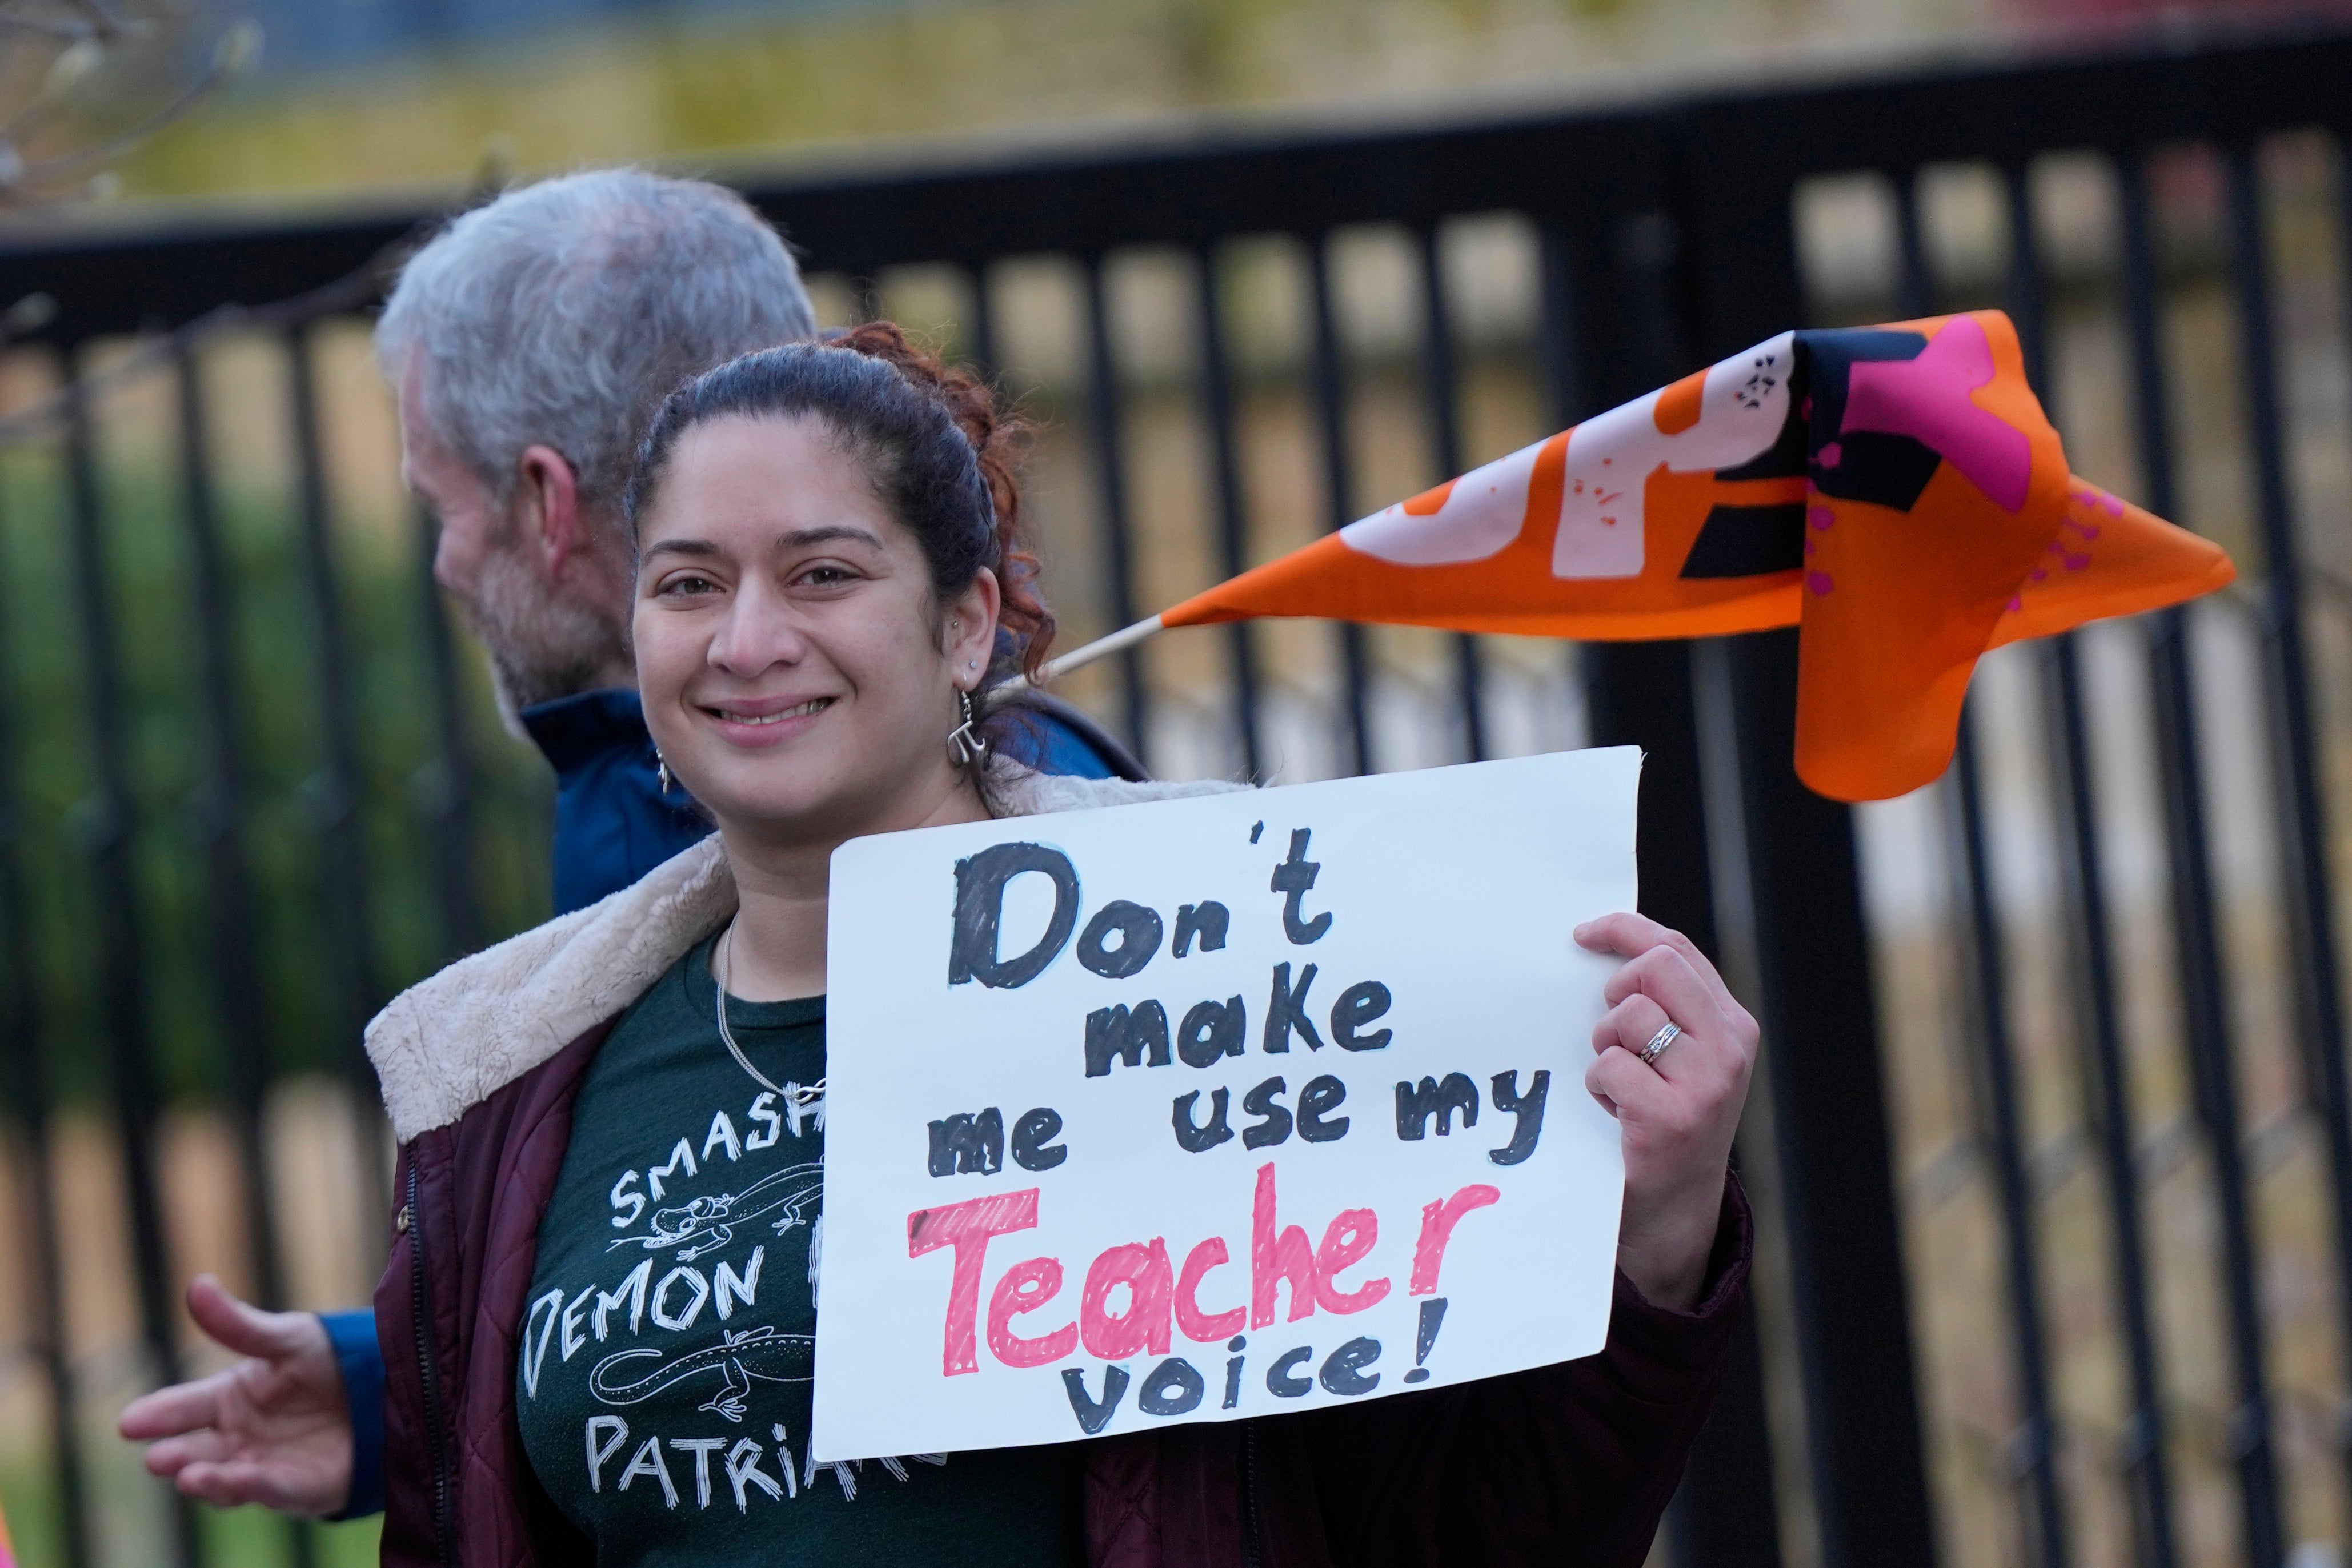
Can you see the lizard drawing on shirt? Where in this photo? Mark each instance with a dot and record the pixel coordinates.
(705, 1224)
(739, 1357)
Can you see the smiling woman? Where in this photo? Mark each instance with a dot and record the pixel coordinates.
(824, 540)
(608, 1262)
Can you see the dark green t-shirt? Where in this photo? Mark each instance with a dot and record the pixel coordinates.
(664, 1385)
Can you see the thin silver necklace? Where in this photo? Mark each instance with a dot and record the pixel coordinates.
(798, 1094)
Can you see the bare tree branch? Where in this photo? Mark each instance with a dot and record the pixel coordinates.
(70, 32)
(101, 35)
(102, 22)
(100, 154)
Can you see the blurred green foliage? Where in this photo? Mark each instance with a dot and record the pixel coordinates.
(382, 619)
(247, 1537)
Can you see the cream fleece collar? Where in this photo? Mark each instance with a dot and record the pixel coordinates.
(449, 1043)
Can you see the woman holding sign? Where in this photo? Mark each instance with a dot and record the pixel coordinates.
(599, 1312)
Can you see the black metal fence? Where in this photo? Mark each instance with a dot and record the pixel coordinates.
(248, 785)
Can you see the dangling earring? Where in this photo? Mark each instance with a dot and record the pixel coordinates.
(661, 771)
(966, 745)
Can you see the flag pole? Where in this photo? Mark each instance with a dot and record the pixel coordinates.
(1055, 668)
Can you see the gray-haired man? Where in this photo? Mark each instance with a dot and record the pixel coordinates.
(530, 343)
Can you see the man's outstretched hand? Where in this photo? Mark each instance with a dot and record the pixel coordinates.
(273, 1429)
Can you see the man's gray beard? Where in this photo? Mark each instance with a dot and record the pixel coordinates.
(541, 645)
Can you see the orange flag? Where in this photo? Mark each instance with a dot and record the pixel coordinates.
(1895, 492)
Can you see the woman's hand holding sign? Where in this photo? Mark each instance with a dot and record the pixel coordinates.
(1679, 1110)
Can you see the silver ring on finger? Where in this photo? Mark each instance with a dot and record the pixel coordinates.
(1658, 1043)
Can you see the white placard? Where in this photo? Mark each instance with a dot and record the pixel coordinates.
(1395, 1177)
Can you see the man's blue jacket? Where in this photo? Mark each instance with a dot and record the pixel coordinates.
(614, 824)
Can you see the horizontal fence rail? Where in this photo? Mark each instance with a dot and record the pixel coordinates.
(2053, 1154)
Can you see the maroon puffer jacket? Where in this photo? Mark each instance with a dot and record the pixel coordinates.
(1571, 1463)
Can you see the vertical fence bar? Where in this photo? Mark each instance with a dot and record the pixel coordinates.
(1727, 1510)
(2034, 1444)
(865, 299)
(1829, 1095)
(2140, 1449)
(1217, 410)
(229, 893)
(1640, 692)
(1733, 195)
(346, 932)
(1562, 326)
(981, 337)
(2032, 1456)
(1442, 374)
(122, 956)
(22, 1041)
(981, 333)
(1726, 1514)
(1111, 480)
(2250, 1433)
(449, 778)
(980, 341)
(2034, 1447)
(1338, 486)
(2295, 743)
(220, 812)
(2196, 934)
